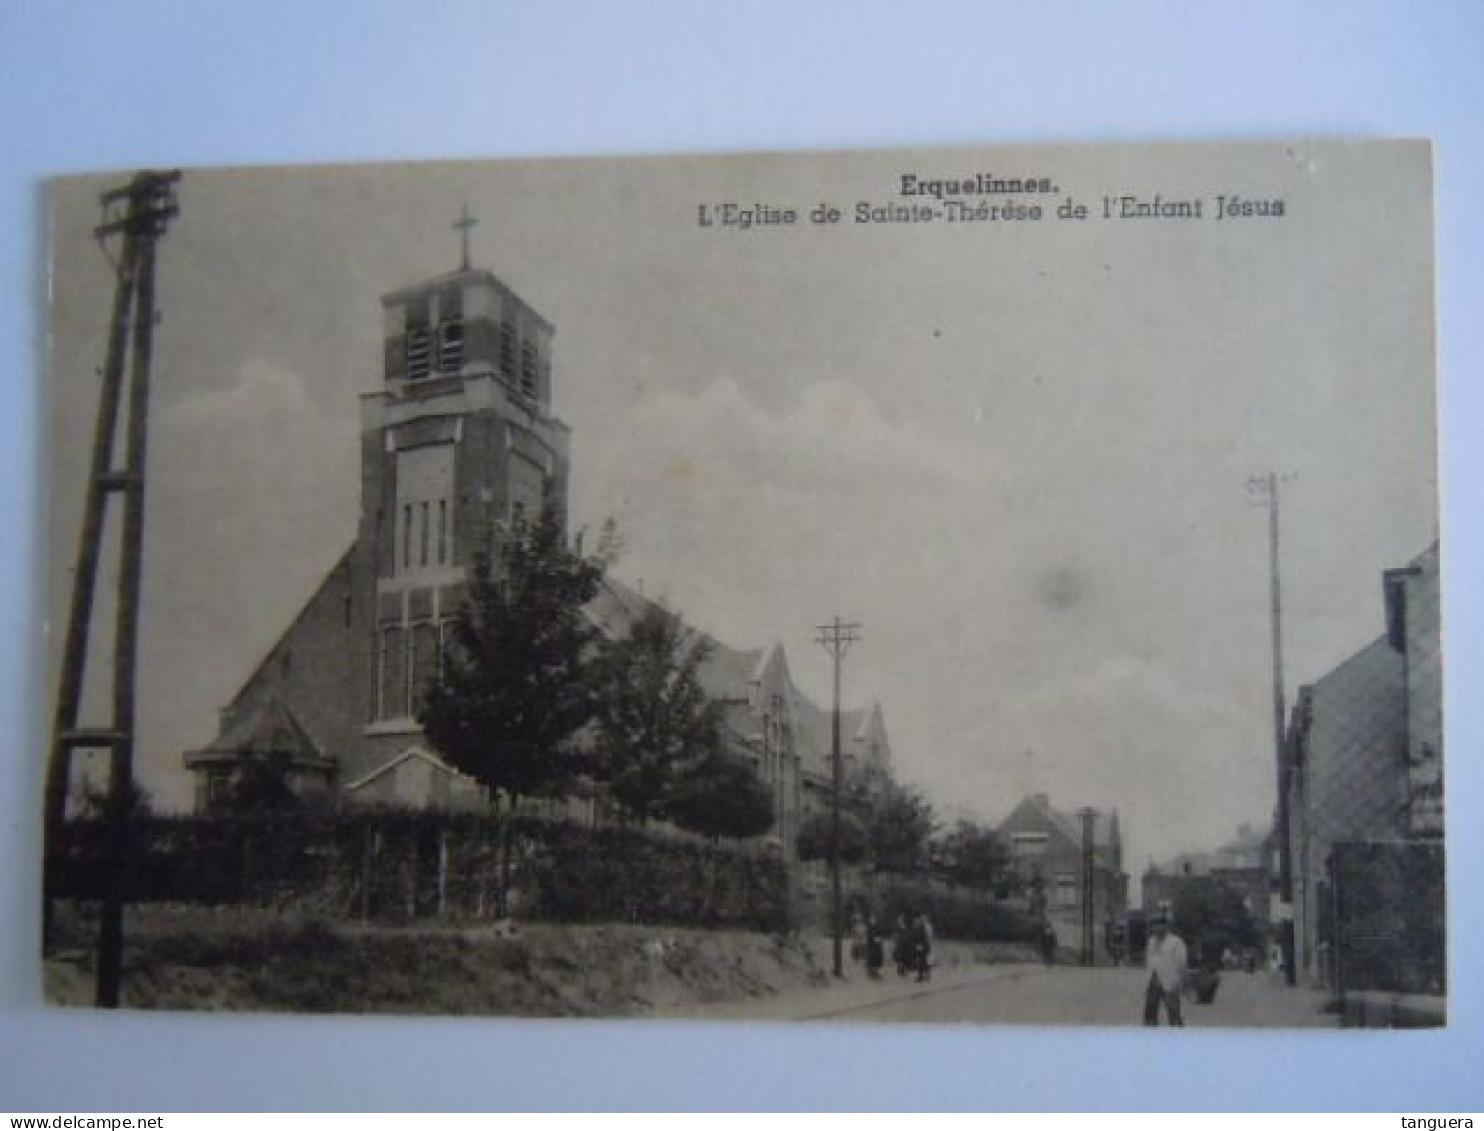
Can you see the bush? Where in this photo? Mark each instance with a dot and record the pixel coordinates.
(963, 915)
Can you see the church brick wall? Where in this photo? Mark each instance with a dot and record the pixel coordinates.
(314, 667)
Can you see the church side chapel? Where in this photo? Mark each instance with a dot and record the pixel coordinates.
(458, 447)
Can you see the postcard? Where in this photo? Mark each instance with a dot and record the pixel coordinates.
(988, 585)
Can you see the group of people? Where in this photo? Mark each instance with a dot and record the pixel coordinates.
(912, 951)
(911, 947)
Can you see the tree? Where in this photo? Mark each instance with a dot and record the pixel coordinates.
(972, 855)
(263, 782)
(721, 795)
(816, 831)
(653, 716)
(881, 822)
(898, 824)
(516, 686)
(1211, 916)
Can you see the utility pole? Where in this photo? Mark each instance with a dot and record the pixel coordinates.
(836, 639)
(1264, 492)
(139, 212)
(1089, 874)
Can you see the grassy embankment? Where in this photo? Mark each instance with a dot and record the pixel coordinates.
(242, 959)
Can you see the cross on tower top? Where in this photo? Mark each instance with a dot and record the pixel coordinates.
(463, 224)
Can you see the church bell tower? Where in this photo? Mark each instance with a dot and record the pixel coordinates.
(458, 446)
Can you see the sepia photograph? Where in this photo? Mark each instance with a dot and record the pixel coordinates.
(980, 585)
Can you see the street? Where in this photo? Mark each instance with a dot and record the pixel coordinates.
(1032, 995)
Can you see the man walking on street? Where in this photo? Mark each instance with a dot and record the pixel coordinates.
(1166, 962)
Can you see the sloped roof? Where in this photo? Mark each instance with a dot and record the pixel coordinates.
(726, 672)
(1104, 824)
(730, 675)
(814, 732)
(412, 753)
(1187, 863)
(271, 726)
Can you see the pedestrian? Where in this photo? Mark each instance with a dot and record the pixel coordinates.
(875, 951)
(1048, 943)
(901, 946)
(923, 948)
(1166, 961)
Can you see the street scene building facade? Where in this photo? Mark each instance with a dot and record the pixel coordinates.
(1363, 773)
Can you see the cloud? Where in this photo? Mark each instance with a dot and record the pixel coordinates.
(833, 439)
(234, 545)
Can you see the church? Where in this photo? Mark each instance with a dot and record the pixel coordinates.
(457, 445)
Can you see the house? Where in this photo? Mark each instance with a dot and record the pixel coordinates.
(1046, 847)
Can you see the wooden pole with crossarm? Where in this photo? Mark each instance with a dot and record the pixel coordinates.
(836, 639)
(138, 212)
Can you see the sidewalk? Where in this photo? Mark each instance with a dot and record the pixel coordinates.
(853, 992)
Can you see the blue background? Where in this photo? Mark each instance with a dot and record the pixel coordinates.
(89, 85)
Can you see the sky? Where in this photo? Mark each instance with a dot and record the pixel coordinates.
(1015, 452)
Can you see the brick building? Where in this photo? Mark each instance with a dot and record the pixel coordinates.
(1046, 854)
(458, 445)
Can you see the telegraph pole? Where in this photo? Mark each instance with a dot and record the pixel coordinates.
(1264, 492)
(139, 212)
(1089, 873)
(836, 639)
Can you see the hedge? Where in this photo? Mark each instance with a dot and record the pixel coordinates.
(956, 913)
(400, 865)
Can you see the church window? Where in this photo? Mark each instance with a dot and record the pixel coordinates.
(451, 346)
(392, 690)
(445, 641)
(507, 350)
(528, 369)
(419, 353)
(424, 478)
(424, 665)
